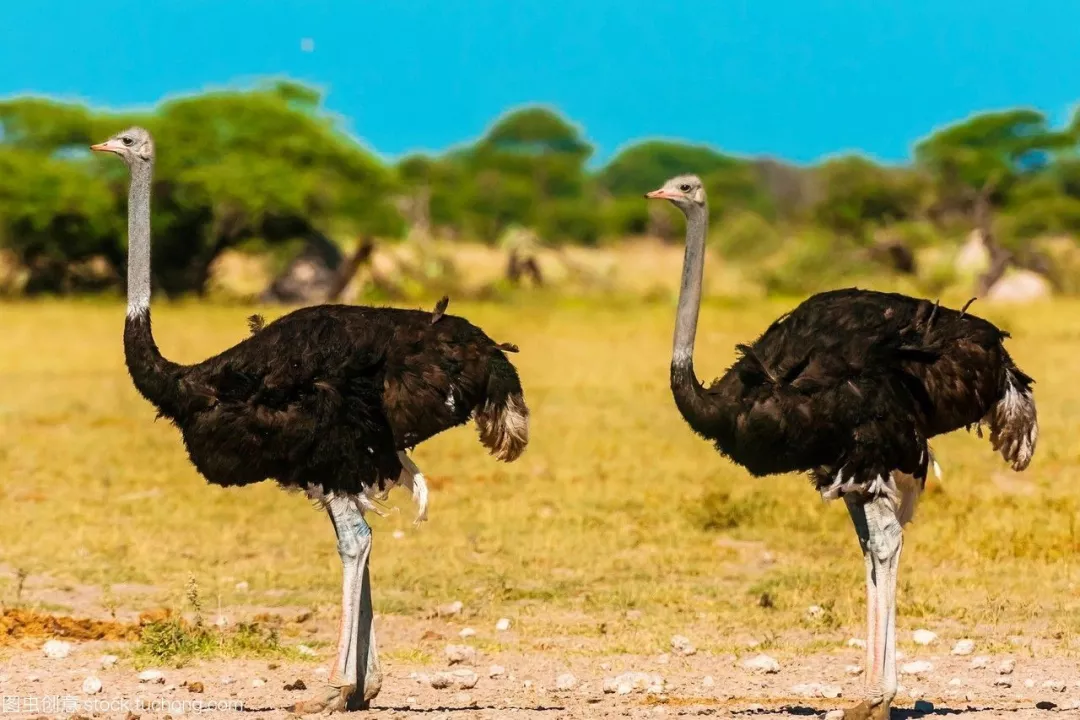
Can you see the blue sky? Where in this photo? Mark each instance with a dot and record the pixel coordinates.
(798, 79)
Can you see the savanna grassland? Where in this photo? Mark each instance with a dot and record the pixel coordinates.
(615, 506)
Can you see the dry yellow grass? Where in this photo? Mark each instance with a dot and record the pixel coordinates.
(614, 506)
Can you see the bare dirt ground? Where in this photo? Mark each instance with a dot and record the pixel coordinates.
(528, 685)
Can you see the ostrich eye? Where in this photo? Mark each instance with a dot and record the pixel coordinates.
(128, 142)
(685, 188)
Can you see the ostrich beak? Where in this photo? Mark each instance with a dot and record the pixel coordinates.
(662, 194)
(106, 146)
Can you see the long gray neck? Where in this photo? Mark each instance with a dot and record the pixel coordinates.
(686, 318)
(138, 280)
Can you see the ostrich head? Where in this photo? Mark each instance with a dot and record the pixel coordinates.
(684, 191)
(133, 145)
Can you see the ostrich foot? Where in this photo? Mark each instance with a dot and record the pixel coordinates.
(329, 699)
(865, 710)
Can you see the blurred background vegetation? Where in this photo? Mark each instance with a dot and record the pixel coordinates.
(262, 194)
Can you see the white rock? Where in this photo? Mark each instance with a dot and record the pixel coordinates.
(460, 654)
(963, 647)
(919, 667)
(630, 682)
(681, 645)
(834, 715)
(853, 669)
(762, 663)
(56, 649)
(503, 625)
(1006, 667)
(242, 586)
(410, 700)
(856, 643)
(449, 609)
(320, 671)
(924, 637)
(467, 632)
(708, 681)
(605, 666)
(565, 682)
(496, 671)
(815, 611)
(831, 691)
(956, 682)
(227, 680)
(152, 676)
(398, 534)
(4, 677)
(1055, 685)
(221, 621)
(107, 661)
(1029, 683)
(663, 659)
(980, 662)
(463, 698)
(461, 679)
(807, 690)
(91, 686)
(305, 650)
(257, 682)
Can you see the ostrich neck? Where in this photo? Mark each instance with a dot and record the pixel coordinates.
(686, 317)
(138, 280)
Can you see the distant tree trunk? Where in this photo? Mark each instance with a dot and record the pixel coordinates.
(1000, 258)
(348, 268)
(519, 266)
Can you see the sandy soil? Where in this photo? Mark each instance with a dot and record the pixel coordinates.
(527, 687)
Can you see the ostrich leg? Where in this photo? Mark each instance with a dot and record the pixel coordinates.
(878, 524)
(356, 677)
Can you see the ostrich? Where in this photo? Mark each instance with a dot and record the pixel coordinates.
(849, 386)
(326, 400)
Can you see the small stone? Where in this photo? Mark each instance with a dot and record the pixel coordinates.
(152, 676)
(681, 645)
(91, 686)
(919, 667)
(853, 669)
(411, 700)
(1045, 705)
(856, 643)
(503, 625)
(565, 682)
(467, 632)
(963, 647)
(762, 663)
(227, 680)
(460, 654)
(1029, 683)
(450, 609)
(663, 659)
(56, 649)
(980, 662)
(831, 692)
(956, 682)
(1006, 667)
(305, 650)
(195, 687)
(257, 682)
(321, 671)
(630, 682)
(461, 679)
(107, 661)
(834, 715)
(1003, 683)
(708, 681)
(1055, 685)
(242, 586)
(496, 671)
(296, 684)
(463, 698)
(221, 621)
(924, 637)
(806, 690)
(398, 534)
(815, 611)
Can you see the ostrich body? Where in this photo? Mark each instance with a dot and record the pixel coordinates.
(849, 387)
(327, 400)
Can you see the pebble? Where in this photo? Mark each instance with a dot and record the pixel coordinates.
(107, 661)
(503, 625)
(708, 681)
(91, 686)
(195, 687)
(257, 682)
(242, 586)
(924, 637)
(305, 650)
(463, 698)
(449, 609)
(461, 679)
(815, 611)
(956, 682)
(467, 632)
(227, 680)
(762, 663)
(605, 666)
(460, 654)
(980, 663)
(681, 645)
(320, 671)
(152, 676)
(856, 643)
(834, 715)
(1003, 683)
(398, 534)
(1055, 685)
(663, 659)
(565, 682)
(630, 682)
(56, 649)
(1006, 667)
(963, 647)
(919, 667)
(853, 669)
(496, 671)
(1029, 683)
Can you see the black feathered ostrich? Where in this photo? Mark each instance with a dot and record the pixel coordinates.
(326, 399)
(849, 386)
